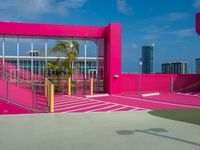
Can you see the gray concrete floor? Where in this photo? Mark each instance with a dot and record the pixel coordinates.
(96, 131)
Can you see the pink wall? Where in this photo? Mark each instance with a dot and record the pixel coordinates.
(182, 81)
(157, 82)
(111, 35)
(198, 23)
(112, 57)
(50, 30)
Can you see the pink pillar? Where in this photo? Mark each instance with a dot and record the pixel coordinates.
(198, 23)
(112, 59)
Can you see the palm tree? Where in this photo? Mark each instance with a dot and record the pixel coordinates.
(71, 50)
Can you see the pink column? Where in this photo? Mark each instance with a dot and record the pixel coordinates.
(112, 59)
(198, 23)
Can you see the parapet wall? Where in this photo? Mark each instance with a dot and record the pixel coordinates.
(159, 83)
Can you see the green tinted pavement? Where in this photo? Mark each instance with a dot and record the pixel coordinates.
(97, 131)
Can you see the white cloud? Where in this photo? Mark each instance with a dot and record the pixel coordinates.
(31, 9)
(134, 46)
(156, 32)
(177, 16)
(150, 37)
(73, 3)
(123, 7)
(182, 32)
(153, 32)
(196, 4)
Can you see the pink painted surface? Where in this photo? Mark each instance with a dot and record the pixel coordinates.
(3, 89)
(7, 108)
(186, 83)
(124, 102)
(175, 98)
(50, 30)
(111, 35)
(198, 23)
(158, 82)
(17, 94)
(112, 57)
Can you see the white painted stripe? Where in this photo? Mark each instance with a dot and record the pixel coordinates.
(70, 103)
(133, 109)
(76, 106)
(195, 95)
(117, 109)
(155, 101)
(151, 94)
(110, 103)
(102, 108)
(105, 101)
(67, 102)
(58, 101)
(87, 108)
(96, 95)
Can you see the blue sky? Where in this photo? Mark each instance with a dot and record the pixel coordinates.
(170, 24)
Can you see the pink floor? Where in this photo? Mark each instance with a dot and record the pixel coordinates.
(124, 102)
(7, 108)
(114, 103)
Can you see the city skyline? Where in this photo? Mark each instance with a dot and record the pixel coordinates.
(169, 24)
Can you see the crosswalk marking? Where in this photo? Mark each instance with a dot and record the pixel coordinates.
(68, 104)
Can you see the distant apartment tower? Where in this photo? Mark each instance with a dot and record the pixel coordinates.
(197, 65)
(147, 59)
(179, 67)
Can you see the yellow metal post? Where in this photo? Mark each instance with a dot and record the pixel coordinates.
(69, 86)
(91, 86)
(51, 98)
(46, 87)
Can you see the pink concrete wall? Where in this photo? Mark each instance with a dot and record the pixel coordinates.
(198, 23)
(48, 30)
(182, 81)
(111, 35)
(157, 82)
(112, 58)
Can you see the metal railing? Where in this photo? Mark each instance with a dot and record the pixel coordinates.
(25, 93)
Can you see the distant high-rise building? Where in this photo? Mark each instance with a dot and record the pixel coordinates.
(179, 67)
(197, 65)
(147, 59)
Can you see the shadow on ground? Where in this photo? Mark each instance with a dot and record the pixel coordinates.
(156, 132)
(184, 115)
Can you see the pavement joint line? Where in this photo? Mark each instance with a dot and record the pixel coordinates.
(155, 101)
(75, 106)
(86, 108)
